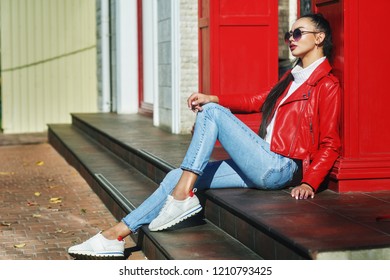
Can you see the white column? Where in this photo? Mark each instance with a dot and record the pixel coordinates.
(176, 72)
(150, 56)
(105, 100)
(292, 18)
(156, 114)
(127, 56)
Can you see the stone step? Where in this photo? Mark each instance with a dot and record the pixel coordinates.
(155, 152)
(122, 188)
(269, 223)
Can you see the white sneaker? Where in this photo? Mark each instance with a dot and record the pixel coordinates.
(175, 211)
(98, 247)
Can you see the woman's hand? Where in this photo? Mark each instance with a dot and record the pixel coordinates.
(197, 99)
(303, 191)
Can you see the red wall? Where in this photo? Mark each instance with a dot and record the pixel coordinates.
(238, 48)
(361, 62)
(238, 53)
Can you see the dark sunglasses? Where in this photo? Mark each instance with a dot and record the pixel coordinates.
(296, 34)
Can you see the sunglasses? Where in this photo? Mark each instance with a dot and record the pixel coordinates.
(296, 34)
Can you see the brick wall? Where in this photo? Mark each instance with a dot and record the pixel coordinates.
(188, 60)
(164, 63)
(284, 8)
(188, 56)
(188, 76)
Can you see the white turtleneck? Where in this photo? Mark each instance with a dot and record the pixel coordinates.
(300, 76)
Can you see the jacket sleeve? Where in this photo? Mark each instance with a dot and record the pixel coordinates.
(322, 160)
(241, 103)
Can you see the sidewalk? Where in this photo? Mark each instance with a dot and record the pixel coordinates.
(46, 206)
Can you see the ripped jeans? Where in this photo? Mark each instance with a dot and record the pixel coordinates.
(251, 163)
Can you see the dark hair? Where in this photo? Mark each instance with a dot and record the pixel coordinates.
(321, 24)
(269, 103)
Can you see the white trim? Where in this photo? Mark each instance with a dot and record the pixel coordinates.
(156, 109)
(293, 8)
(150, 55)
(105, 101)
(176, 74)
(148, 50)
(127, 56)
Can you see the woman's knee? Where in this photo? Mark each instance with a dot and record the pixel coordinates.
(213, 110)
(211, 106)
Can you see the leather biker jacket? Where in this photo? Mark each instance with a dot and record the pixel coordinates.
(307, 124)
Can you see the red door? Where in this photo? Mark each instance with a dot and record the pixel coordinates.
(238, 48)
(361, 62)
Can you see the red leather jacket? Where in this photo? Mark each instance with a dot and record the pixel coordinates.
(307, 123)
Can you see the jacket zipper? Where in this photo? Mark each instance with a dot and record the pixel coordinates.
(299, 121)
(311, 130)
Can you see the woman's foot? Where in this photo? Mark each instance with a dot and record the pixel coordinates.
(99, 247)
(175, 211)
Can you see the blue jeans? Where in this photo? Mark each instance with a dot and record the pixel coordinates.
(251, 163)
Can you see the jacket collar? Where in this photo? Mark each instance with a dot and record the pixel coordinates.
(321, 71)
(301, 92)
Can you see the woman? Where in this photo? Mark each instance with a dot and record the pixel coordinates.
(297, 145)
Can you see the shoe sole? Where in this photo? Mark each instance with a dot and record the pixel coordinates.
(77, 256)
(179, 219)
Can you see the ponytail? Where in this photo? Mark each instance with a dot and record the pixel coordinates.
(269, 104)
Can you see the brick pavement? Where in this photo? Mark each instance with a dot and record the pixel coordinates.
(46, 206)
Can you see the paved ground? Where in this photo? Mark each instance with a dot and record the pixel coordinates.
(45, 205)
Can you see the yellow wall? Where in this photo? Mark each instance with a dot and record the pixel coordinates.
(48, 56)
